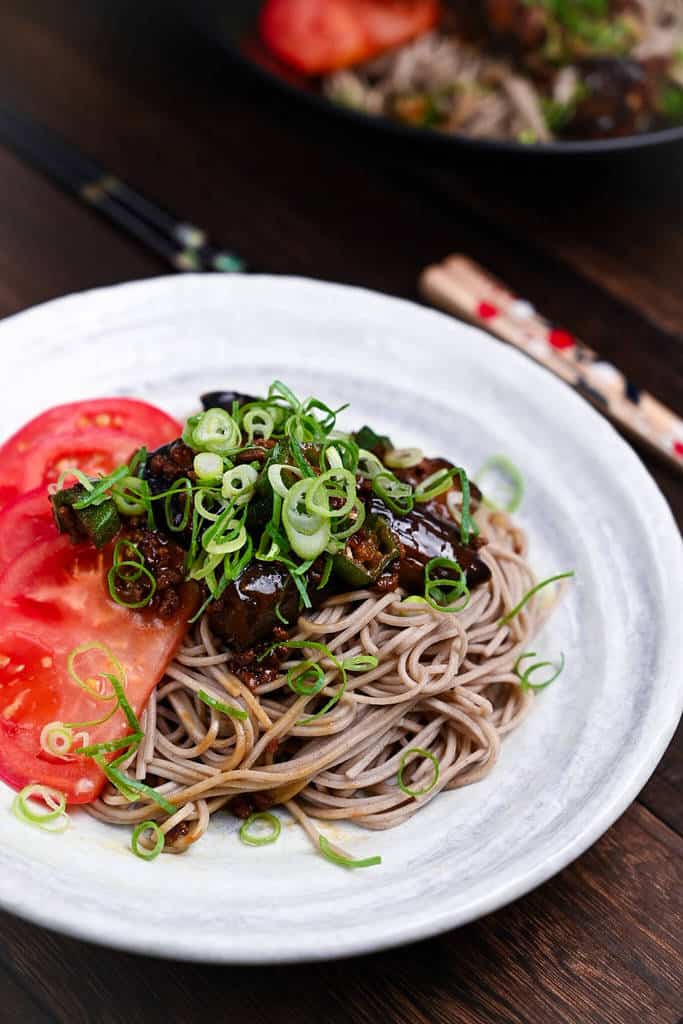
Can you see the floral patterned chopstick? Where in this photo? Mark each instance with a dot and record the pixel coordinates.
(461, 286)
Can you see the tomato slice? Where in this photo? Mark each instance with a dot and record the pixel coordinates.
(317, 36)
(151, 426)
(94, 436)
(26, 521)
(52, 601)
(94, 453)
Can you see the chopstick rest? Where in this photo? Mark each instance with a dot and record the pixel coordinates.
(460, 286)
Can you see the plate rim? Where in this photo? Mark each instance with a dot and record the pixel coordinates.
(424, 925)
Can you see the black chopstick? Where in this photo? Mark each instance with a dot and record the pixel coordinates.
(183, 245)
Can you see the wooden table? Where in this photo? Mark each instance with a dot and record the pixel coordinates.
(598, 246)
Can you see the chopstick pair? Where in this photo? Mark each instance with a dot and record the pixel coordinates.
(184, 246)
(461, 286)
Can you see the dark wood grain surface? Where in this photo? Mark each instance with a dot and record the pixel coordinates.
(598, 246)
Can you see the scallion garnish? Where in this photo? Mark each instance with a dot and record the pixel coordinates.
(225, 709)
(180, 491)
(143, 852)
(113, 581)
(360, 663)
(502, 466)
(446, 593)
(213, 431)
(132, 497)
(408, 755)
(208, 467)
(99, 491)
(130, 788)
(260, 840)
(525, 683)
(89, 684)
(345, 862)
(398, 495)
(534, 590)
(403, 458)
(133, 740)
(27, 809)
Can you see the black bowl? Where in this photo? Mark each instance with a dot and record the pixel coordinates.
(233, 25)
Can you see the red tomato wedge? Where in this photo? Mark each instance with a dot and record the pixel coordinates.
(25, 521)
(94, 436)
(317, 36)
(94, 453)
(53, 601)
(149, 425)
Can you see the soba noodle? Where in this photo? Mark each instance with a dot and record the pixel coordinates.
(485, 95)
(444, 683)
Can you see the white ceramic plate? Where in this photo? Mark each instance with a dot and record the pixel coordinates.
(579, 758)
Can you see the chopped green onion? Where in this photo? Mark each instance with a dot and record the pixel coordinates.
(53, 819)
(182, 485)
(99, 492)
(514, 479)
(435, 484)
(436, 589)
(275, 477)
(279, 390)
(420, 753)
(270, 837)
(340, 451)
(78, 474)
(226, 536)
(369, 466)
(212, 431)
(297, 675)
(132, 497)
(298, 456)
(56, 739)
(335, 483)
(120, 691)
(403, 458)
(361, 663)
(304, 691)
(131, 553)
(393, 492)
(258, 420)
(200, 507)
(326, 573)
(131, 789)
(345, 862)
(355, 520)
(138, 461)
(225, 709)
(307, 532)
(133, 740)
(112, 580)
(534, 590)
(159, 841)
(238, 483)
(208, 467)
(89, 683)
(467, 523)
(525, 683)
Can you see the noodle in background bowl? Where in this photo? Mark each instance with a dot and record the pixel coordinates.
(584, 751)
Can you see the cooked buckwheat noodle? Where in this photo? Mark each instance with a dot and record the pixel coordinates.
(490, 97)
(444, 683)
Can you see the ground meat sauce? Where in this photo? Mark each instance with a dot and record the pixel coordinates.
(253, 668)
(171, 463)
(165, 560)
